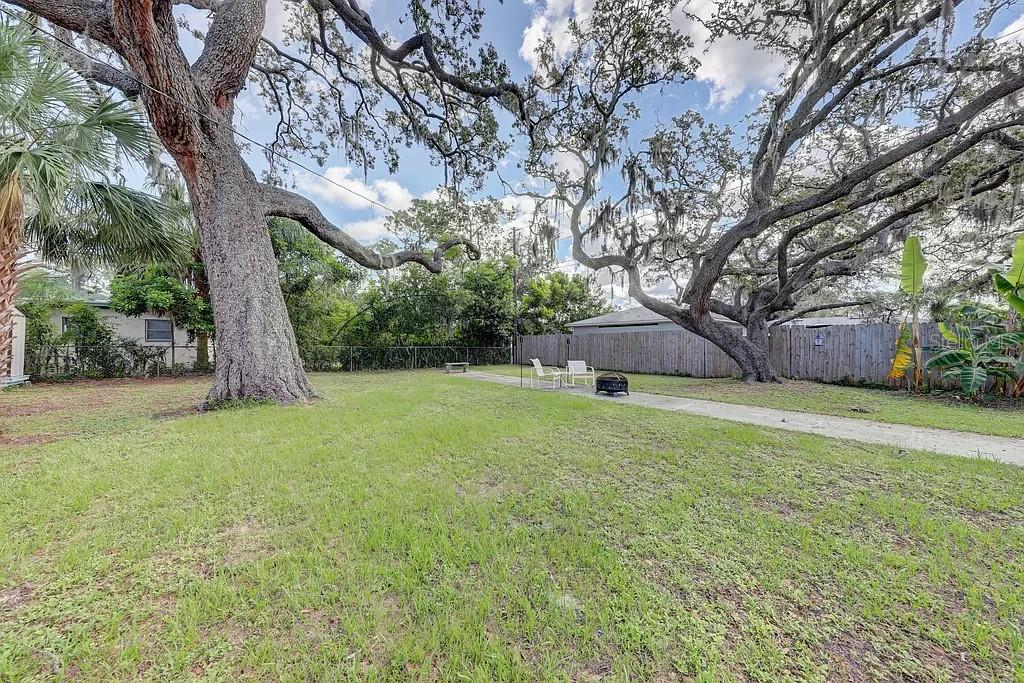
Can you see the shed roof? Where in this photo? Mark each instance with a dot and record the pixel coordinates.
(630, 316)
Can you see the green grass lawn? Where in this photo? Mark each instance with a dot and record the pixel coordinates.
(883, 405)
(416, 526)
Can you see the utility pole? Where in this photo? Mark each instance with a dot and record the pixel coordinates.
(515, 301)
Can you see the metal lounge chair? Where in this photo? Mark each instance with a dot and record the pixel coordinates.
(579, 369)
(540, 373)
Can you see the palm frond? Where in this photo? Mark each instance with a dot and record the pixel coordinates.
(62, 145)
(113, 225)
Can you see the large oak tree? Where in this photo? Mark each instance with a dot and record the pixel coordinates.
(191, 105)
(878, 120)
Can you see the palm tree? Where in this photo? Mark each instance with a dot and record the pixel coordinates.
(60, 145)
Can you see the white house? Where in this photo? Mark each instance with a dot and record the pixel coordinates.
(17, 375)
(150, 329)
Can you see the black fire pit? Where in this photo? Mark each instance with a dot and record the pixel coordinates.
(613, 383)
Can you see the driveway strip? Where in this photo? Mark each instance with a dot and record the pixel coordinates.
(1003, 449)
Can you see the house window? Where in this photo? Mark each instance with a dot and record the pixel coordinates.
(158, 330)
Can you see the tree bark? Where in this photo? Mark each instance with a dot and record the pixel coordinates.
(750, 353)
(11, 234)
(202, 350)
(257, 357)
(757, 332)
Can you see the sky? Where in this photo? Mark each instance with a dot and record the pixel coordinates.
(731, 81)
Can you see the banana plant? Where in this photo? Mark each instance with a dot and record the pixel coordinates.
(1010, 284)
(908, 345)
(974, 358)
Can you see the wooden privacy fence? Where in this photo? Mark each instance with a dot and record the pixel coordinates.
(840, 353)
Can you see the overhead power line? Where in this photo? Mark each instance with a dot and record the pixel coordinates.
(171, 98)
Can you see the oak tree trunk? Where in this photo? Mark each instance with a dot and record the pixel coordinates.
(750, 352)
(202, 350)
(257, 357)
(757, 332)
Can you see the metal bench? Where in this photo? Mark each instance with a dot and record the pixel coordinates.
(449, 368)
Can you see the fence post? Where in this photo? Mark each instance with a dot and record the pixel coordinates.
(350, 359)
(415, 358)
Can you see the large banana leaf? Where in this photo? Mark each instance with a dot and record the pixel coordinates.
(950, 358)
(972, 379)
(1004, 373)
(965, 337)
(914, 265)
(1003, 341)
(948, 334)
(1012, 295)
(1016, 274)
(904, 357)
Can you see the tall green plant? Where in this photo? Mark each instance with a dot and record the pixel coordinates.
(1010, 285)
(980, 350)
(908, 345)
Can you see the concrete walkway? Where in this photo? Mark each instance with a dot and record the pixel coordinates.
(999, 448)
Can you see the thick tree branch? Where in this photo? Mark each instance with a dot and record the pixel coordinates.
(95, 70)
(286, 204)
(360, 24)
(229, 48)
(699, 290)
(90, 18)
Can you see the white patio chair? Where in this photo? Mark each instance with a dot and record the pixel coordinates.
(540, 373)
(579, 368)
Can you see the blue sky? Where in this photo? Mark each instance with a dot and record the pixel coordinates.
(727, 93)
(730, 83)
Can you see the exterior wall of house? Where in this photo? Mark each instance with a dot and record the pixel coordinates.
(18, 361)
(135, 329)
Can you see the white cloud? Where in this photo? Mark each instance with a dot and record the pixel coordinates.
(369, 230)
(553, 21)
(1014, 31)
(392, 194)
(359, 194)
(729, 66)
(277, 19)
(567, 162)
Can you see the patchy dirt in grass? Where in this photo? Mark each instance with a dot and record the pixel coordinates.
(782, 508)
(485, 488)
(993, 519)
(849, 656)
(245, 541)
(39, 408)
(14, 597)
(42, 413)
(174, 413)
(26, 439)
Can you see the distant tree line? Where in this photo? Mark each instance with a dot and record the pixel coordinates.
(333, 302)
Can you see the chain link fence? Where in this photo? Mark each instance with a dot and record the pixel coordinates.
(132, 359)
(120, 359)
(358, 358)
